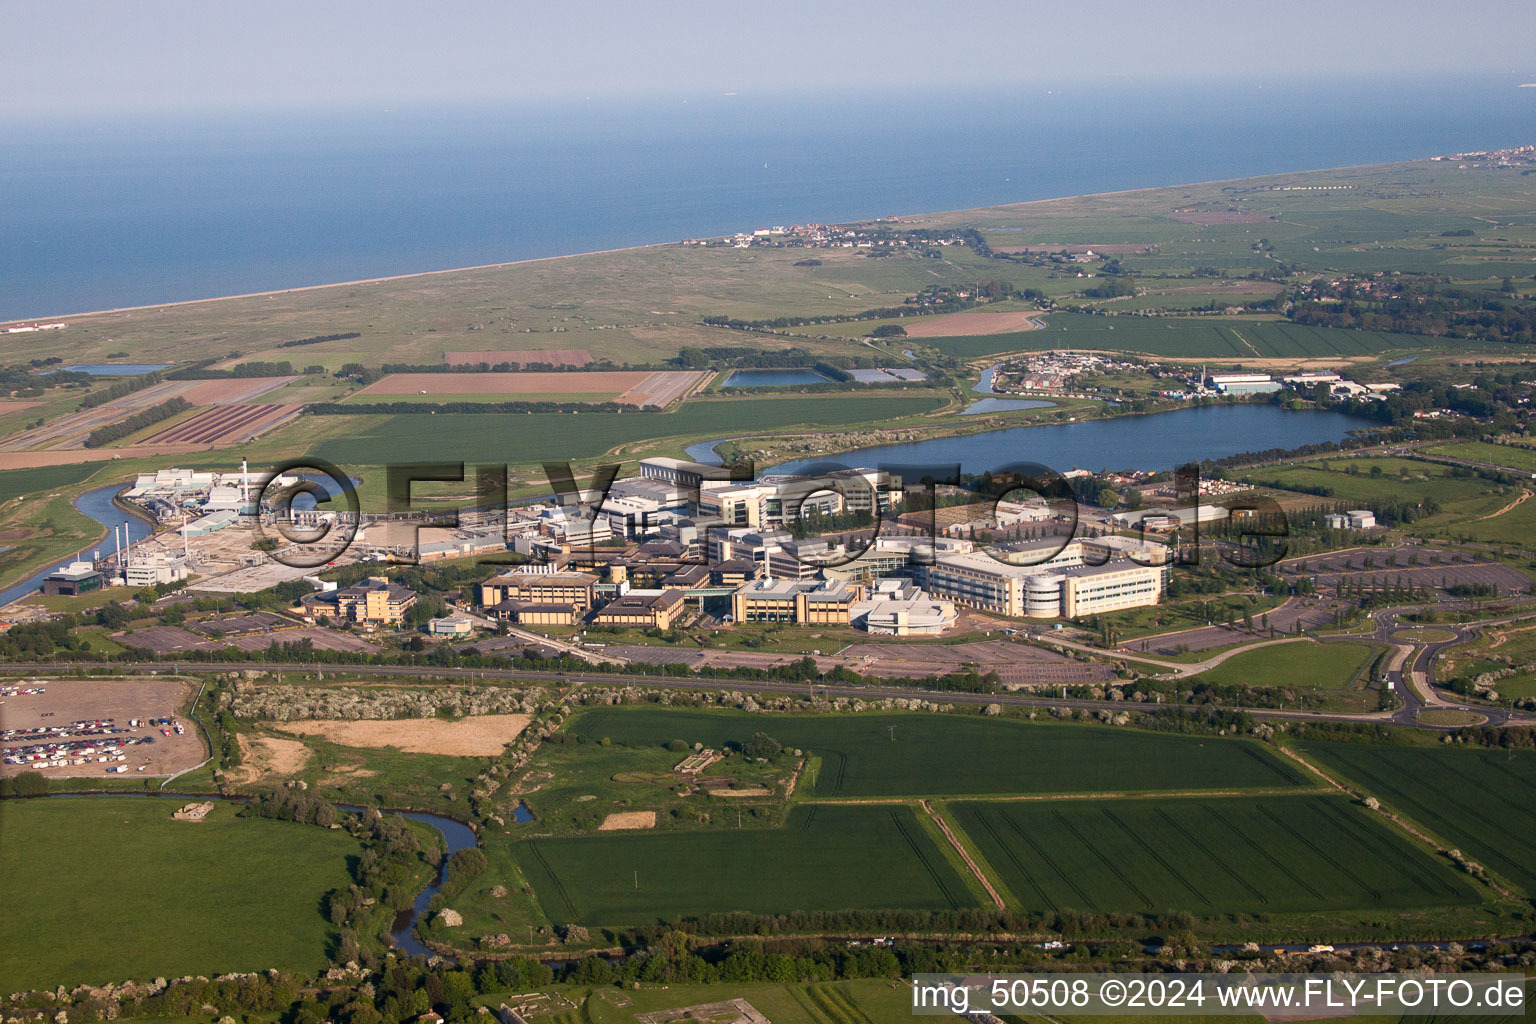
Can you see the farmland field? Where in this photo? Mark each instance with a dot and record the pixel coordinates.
(223, 423)
(97, 890)
(30, 482)
(934, 755)
(1483, 801)
(820, 860)
(371, 440)
(1193, 338)
(1206, 856)
(632, 387)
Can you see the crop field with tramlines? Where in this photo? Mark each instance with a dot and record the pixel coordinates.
(1205, 856)
(901, 755)
(820, 860)
(1188, 337)
(1481, 801)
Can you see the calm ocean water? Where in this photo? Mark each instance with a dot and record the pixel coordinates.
(113, 212)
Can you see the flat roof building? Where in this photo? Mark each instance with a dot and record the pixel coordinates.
(644, 609)
(802, 602)
(900, 608)
(572, 588)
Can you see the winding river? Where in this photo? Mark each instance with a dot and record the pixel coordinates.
(96, 504)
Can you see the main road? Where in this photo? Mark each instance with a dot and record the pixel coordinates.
(827, 690)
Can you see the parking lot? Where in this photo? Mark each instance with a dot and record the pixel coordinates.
(63, 702)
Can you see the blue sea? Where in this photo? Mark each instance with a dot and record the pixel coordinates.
(116, 211)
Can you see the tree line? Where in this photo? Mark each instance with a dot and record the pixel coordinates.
(137, 422)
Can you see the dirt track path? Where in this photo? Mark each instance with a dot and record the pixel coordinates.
(1511, 506)
(975, 870)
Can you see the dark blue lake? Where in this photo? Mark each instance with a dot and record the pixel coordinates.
(1157, 442)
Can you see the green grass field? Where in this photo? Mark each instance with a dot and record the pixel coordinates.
(1508, 455)
(1190, 338)
(17, 483)
(1483, 801)
(951, 755)
(1207, 856)
(821, 860)
(374, 440)
(98, 890)
(1301, 664)
(1398, 480)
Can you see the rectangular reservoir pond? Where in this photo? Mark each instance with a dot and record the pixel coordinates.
(789, 377)
(117, 369)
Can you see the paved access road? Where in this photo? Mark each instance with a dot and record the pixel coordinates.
(707, 683)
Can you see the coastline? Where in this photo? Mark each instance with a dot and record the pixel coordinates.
(905, 218)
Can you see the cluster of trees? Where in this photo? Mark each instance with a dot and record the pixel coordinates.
(1419, 304)
(24, 784)
(23, 378)
(319, 338)
(388, 872)
(137, 422)
(1113, 288)
(121, 389)
(292, 805)
(203, 370)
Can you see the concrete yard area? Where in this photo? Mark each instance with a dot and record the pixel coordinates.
(320, 638)
(1421, 565)
(64, 701)
(166, 640)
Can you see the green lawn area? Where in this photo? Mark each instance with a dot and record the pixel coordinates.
(1515, 527)
(885, 755)
(1482, 801)
(386, 776)
(485, 438)
(17, 483)
(1512, 456)
(39, 533)
(1206, 856)
(102, 889)
(1398, 480)
(823, 859)
(1302, 664)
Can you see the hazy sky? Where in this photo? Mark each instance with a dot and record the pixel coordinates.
(68, 55)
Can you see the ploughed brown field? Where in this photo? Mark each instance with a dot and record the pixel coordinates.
(224, 423)
(951, 325)
(634, 387)
(476, 736)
